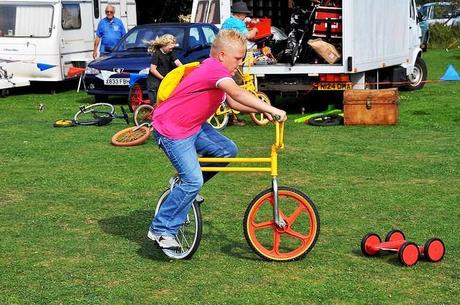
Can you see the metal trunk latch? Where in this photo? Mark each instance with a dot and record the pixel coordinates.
(368, 103)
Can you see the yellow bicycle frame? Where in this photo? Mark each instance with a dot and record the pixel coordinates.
(272, 169)
(272, 160)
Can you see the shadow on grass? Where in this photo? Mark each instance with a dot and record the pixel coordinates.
(134, 227)
(230, 247)
(386, 256)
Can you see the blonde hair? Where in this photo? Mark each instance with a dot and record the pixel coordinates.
(160, 42)
(227, 39)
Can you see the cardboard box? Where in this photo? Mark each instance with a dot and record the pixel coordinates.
(371, 107)
(324, 49)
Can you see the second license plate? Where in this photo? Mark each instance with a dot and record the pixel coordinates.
(335, 86)
(117, 82)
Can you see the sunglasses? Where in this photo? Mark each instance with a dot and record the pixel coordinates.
(109, 12)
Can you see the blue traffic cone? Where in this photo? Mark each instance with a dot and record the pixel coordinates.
(450, 74)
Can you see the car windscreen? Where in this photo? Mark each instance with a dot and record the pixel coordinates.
(140, 38)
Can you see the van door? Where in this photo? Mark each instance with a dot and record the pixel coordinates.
(415, 33)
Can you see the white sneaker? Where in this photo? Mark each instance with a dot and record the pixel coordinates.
(164, 241)
(199, 198)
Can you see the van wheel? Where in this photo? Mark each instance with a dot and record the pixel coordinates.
(5, 93)
(416, 80)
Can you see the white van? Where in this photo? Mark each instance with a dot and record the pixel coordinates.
(379, 42)
(43, 40)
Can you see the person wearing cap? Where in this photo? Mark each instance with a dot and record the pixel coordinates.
(236, 22)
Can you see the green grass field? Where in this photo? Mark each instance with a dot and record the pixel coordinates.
(75, 209)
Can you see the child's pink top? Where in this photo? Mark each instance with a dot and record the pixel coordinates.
(195, 99)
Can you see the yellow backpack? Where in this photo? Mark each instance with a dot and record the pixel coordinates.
(172, 80)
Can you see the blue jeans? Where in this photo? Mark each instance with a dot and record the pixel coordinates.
(183, 155)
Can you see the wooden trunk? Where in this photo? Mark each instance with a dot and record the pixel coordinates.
(371, 107)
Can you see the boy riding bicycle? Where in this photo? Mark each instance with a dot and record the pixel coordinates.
(182, 131)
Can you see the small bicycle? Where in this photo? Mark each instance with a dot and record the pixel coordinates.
(95, 114)
(221, 117)
(280, 223)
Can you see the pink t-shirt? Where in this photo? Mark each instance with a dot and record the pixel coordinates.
(194, 100)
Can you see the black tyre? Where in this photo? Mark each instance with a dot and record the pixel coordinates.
(408, 254)
(416, 80)
(189, 234)
(273, 243)
(95, 114)
(434, 250)
(326, 120)
(5, 93)
(369, 244)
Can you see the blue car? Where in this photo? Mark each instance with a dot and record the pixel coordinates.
(110, 75)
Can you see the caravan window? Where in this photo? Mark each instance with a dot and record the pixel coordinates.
(17, 20)
(71, 16)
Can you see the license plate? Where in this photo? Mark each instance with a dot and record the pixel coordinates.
(116, 82)
(335, 86)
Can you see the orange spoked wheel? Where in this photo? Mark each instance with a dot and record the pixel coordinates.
(293, 241)
(131, 136)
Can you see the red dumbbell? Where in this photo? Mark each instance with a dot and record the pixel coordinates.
(408, 252)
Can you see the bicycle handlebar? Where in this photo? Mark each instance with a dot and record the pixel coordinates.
(279, 135)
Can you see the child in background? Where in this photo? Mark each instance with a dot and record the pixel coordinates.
(163, 61)
(182, 131)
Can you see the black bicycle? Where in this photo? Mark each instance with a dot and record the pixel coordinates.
(95, 114)
(301, 32)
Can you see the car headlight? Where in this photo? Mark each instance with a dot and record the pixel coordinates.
(90, 70)
(144, 71)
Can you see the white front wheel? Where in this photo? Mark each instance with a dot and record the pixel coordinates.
(189, 234)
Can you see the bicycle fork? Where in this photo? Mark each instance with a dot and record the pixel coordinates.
(276, 209)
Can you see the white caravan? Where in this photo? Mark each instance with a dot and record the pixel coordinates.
(380, 42)
(41, 40)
